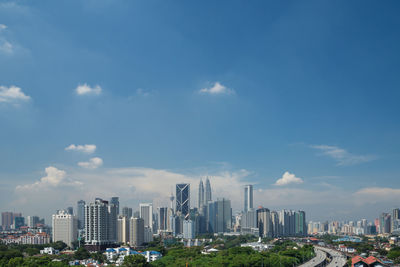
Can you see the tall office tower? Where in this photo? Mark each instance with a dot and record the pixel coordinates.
(275, 226)
(300, 221)
(170, 213)
(219, 216)
(395, 219)
(188, 229)
(97, 223)
(183, 199)
(207, 196)
(384, 223)
(80, 210)
(248, 197)
(163, 218)
(115, 201)
(31, 221)
(122, 229)
(70, 210)
(201, 195)
(136, 232)
(18, 222)
(264, 222)
(127, 212)
(146, 213)
(65, 227)
(112, 222)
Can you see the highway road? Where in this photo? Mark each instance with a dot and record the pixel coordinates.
(317, 260)
(338, 259)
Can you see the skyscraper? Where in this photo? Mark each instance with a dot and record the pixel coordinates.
(65, 227)
(136, 232)
(80, 212)
(395, 219)
(300, 222)
(70, 210)
(98, 223)
(146, 213)
(219, 216)
(183, 199)
(127, 212)
(248, 197)
(7, 219)
(162, 218)
(115, 201)
(122, 229)
(201, 195)
(208, 196)
(264, 222)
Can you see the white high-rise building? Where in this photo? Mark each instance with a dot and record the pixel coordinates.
(146, 213)
(248, 197)
(122, 229)
(188, 229)
(100, 223)
(65, 227)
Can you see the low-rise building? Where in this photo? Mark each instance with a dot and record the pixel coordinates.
(50, 251)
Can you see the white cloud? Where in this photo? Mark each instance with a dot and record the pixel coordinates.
(85, 89)
(288, 178)
(374, 195)
(6, 47)
(342, 156)
(217, 89)
(12, 94)
(93, 163)
(3, 27)
(88, 149)
(54, 178)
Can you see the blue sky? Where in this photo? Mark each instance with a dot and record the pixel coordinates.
(305, 87)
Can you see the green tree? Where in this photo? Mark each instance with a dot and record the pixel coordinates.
(135, 261)
(81, 254)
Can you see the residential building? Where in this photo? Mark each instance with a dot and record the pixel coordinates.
(136, 232)
(65, 227)
(127, 212)
(81, 214)
(146, 213)
(122, 229)
(188, 229)
(115, 202)
(264, 222)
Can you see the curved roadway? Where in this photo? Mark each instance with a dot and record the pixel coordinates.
(318, 260)
(322, 254)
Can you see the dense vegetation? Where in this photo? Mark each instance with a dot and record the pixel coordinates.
(284, 253)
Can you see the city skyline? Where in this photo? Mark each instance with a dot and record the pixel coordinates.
(298, 99)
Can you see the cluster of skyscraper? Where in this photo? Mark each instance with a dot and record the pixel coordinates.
(102, 223)
(386, 224)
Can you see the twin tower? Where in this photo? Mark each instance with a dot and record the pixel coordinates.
(204, 195)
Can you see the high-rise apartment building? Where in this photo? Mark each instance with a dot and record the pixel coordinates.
(7, 219)
(99, 223)
(115, 202)
(300, 221)
(31, 221)
(146, 213)
(188, 229)
(65, 227)
(136, 231)
(384, 223)
(18, 222)
(183, 199)
(395, 224)
(122, 229)
(248, 197)
(80, 212)
(201, 195)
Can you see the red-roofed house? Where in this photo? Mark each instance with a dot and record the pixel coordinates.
(371, 261)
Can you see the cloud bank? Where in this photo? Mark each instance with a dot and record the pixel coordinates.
(12, 94)
(343, 157)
